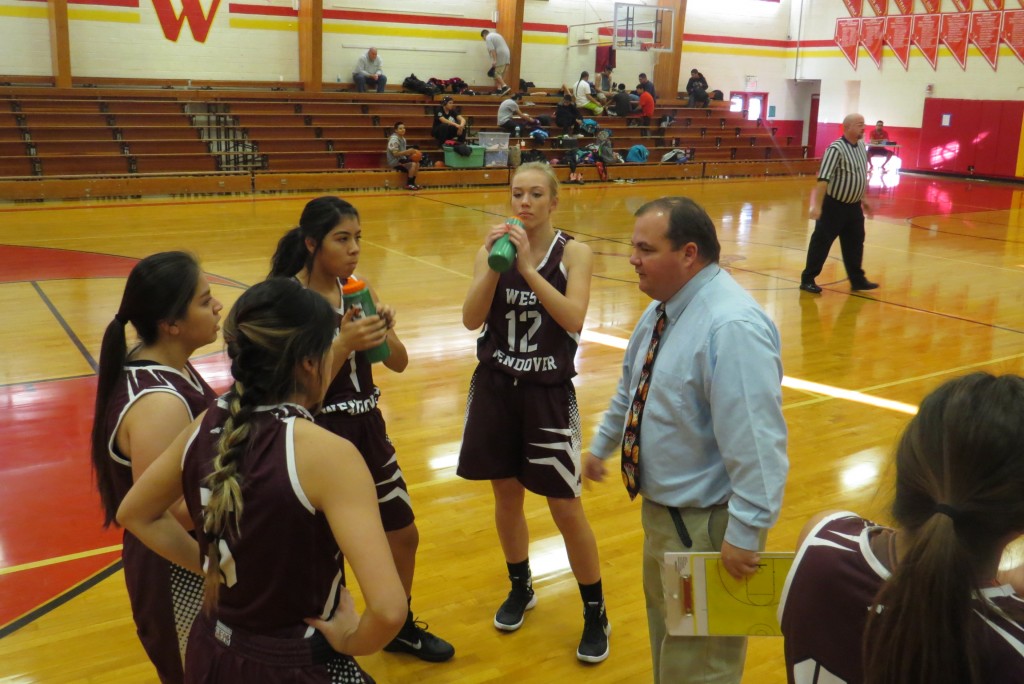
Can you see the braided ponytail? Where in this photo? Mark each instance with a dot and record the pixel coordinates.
(271, 329)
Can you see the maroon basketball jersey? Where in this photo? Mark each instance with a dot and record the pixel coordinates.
(140, 378)
(520, 338)
(352, 390)
(286, 564)
(824, 609)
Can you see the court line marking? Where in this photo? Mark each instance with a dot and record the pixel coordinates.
(59, 600)
(59, 559)
(67, 328)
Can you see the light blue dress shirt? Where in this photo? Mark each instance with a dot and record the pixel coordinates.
(712, 429)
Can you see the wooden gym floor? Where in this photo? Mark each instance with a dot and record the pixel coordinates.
(948, 253)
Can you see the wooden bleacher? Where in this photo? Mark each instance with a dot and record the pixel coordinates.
(133, 141)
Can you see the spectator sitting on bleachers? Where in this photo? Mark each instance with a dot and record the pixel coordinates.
(584, 95)
(401, 158)
(643, 116)
(622, 104)
(567, 116)
(511, 117)
(449, 124)
(369, 69)
(697, 90)
(644, 84)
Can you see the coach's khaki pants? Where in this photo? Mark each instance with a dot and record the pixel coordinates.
(685, 660)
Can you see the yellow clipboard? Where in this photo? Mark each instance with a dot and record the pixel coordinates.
(702, 599)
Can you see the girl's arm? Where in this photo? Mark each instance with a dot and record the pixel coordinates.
(336, 481)
(481, 290)
(568, 310)
(144, 510)
(150, 425)
(398, 359)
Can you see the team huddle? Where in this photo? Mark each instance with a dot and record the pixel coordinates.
(241, 510)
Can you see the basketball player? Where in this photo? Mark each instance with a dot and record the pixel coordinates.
(923, 598)
(274, 499)
(522, 425)
(145, 396)
(322, 252)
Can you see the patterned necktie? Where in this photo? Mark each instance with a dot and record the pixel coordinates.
(631, 437)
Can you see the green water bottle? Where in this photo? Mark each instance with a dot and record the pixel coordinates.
(503, 252)
(355, 293)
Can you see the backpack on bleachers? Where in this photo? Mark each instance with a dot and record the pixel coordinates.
(533, 156)
(454, 84)
(637, 153)
(676, 155)
(589, 127)
(604, 149)
(417, 86)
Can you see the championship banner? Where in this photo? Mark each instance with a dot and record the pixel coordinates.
(926, 36)
(985, 34)
(881, 7)
(962, 5)
(931, 6)
(954, 35)
(872, 34)
(994, 4)
(905, 6)
(854, 7)
(1013, 32)
(848, 38)
(897, 36)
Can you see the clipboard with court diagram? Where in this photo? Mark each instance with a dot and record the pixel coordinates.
(702, 599)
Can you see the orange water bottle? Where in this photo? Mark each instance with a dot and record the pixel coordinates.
(503, 252)
(355, 293)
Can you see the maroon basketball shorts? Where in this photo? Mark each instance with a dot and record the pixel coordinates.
(165, 600)
(218, 654)
(370, 435)
(523, 430)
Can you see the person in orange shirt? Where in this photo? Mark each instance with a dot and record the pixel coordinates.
(646, 108)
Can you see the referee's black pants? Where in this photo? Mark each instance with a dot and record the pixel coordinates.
(843, 221)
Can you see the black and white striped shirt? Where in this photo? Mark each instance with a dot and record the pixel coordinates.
(845, 166)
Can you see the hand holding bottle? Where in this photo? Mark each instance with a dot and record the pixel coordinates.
(503, 251)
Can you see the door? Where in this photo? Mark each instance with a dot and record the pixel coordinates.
(755, 104)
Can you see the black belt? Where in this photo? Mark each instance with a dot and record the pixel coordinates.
(677, 518)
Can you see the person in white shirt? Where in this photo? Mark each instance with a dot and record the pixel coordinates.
(497, 48)
(585, 95)
(369, 70)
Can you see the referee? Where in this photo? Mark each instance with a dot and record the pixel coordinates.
(838, 206)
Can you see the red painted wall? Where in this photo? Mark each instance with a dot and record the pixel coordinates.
(787, 128)
(908, 138)
(982, 137)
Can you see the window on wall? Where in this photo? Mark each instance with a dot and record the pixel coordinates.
(754, 104)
